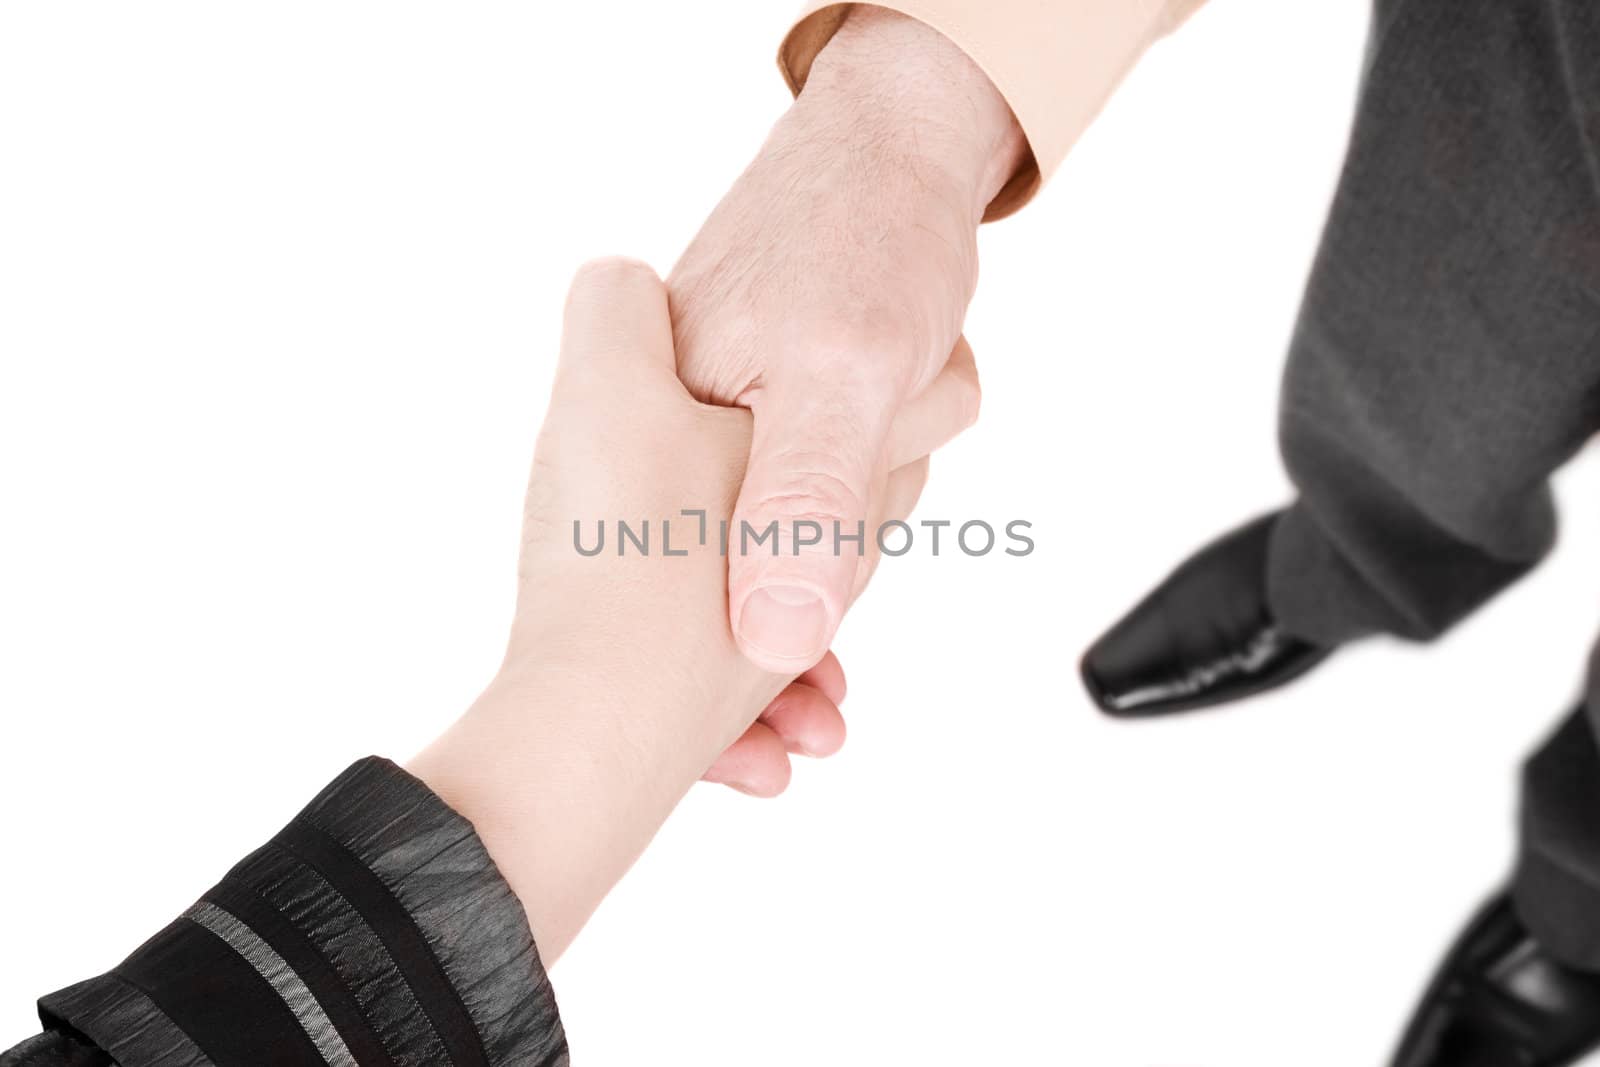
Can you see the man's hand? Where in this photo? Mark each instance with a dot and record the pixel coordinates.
(826, 293)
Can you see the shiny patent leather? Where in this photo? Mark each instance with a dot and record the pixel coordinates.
(1204, 636)
(1499, 1000)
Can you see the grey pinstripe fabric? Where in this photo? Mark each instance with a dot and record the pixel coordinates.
(276, 970)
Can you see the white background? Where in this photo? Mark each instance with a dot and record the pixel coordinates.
(279, 295)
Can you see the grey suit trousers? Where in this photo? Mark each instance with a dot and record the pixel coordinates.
(1447, 361)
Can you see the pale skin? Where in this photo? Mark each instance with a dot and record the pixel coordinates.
(621, 681)
(826, 293)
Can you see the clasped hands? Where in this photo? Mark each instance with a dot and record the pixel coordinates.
(799, 365)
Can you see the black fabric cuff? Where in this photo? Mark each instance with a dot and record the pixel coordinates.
(373, 929)
(55, 1049)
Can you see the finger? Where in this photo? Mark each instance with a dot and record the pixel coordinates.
(828, 676)
(900, 496)
(806, 721)
(756, 764)
(903, 490)
(616, 328)
(815, 454)
(935, 416)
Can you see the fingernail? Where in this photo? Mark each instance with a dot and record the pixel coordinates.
(788, 622)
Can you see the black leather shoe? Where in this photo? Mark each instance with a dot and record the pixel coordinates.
(1499, 1000)
(1204, 636)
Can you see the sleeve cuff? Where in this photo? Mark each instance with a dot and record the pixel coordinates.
(1056, 64)
(374, 928)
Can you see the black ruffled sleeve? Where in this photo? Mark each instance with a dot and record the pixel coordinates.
(373, 929)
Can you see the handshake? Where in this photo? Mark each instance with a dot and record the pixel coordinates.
(789, 379)
(785, 386)
(624, 680)
(728, 455)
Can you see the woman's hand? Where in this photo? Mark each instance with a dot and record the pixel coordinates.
(622, 681)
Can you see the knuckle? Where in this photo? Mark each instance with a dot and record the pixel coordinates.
(871, 348)
(810, 484)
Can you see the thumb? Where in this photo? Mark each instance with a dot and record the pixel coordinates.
(799, 528)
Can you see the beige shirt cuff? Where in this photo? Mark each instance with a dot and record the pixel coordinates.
(1055, 62)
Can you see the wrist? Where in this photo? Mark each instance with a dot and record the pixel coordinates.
(566, 775)
(895, 83)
